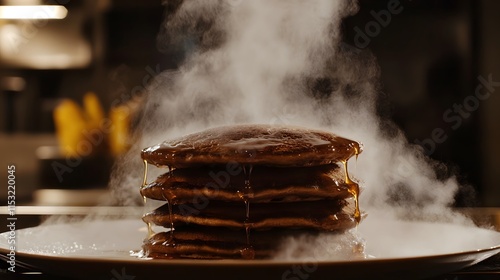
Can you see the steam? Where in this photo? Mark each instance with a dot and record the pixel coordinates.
(281, 61)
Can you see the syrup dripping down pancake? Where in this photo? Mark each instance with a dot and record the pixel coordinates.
(269, 184)
(326, 215)
(233, 191)
(215, 243)
(253, 144)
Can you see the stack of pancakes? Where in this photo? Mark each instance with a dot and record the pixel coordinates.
(236, 191)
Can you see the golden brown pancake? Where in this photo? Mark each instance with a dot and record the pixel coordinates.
(216, 243)
(253, 144)
(269, 184)
(236, 191)
(325, 215)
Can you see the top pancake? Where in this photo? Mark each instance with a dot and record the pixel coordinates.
(253, 144)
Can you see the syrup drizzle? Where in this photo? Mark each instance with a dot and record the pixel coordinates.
(145, 177)
(144, 180)
(169, 204)
(354, 191)
(247, 194)
(171, 241)
(356, 151)
(144, 198)
(150, 230)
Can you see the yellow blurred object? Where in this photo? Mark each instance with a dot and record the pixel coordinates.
(83, 132)
(70, 125)
(118, 137)
(93, 110)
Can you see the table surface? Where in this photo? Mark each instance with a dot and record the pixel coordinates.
(488, 269)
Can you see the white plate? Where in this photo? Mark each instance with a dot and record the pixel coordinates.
(100, 250)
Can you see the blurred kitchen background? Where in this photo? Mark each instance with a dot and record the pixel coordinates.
(97, 56)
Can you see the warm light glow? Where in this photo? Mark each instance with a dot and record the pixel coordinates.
(33, 12)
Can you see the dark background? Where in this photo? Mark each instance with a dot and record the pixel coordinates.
(430, 54)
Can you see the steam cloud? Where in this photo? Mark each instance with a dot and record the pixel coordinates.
(281, 61)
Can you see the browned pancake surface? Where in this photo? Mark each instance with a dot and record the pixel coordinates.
(236, 191)
(253, 144)
(267, 183)
(213, 243)
(325, 215)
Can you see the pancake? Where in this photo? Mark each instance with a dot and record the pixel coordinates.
(237, 191)
(253, 144)
(215, 243)
(269, 184)
(325, 215)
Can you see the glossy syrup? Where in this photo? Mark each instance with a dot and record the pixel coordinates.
(170, 242)
(170, 217)
(144, 180)
(144, 184)
(144, 198)
(353, 189)
(246, 194)
(169, 199)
